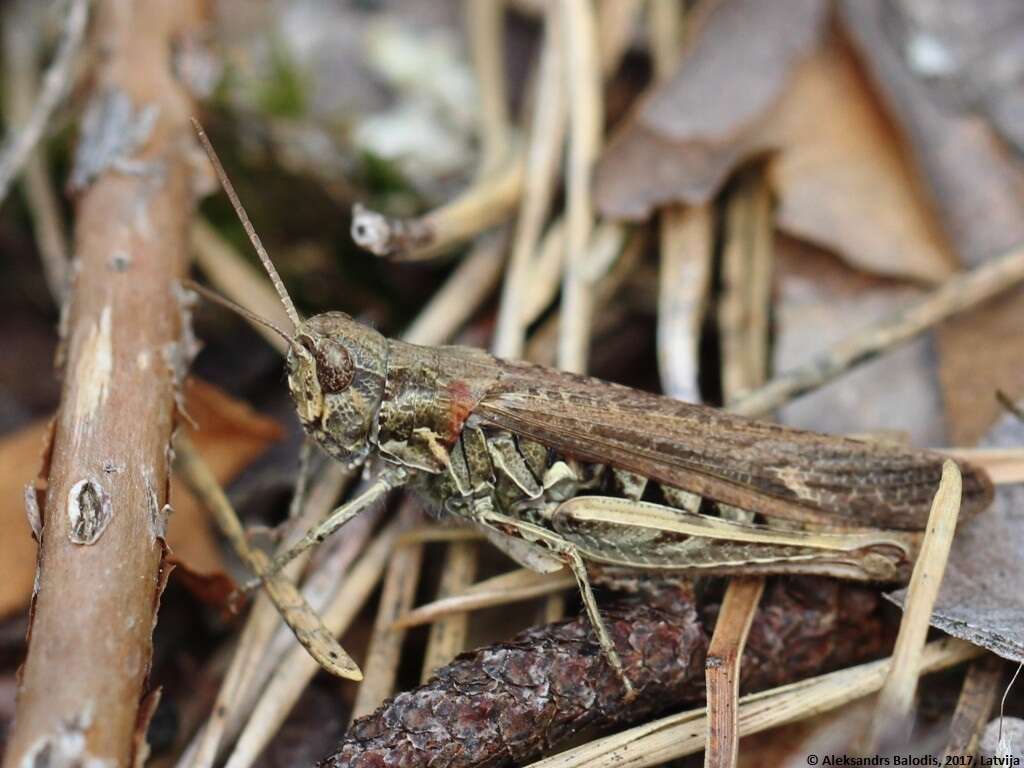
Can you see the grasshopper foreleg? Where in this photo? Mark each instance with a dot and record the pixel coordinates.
(385, 482)
(568, 554)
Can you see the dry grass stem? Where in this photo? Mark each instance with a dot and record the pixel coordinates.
(665, 34)
(385, 649)
(485, 204)
(21, 44)
(744, 305)
(977, 698)
(616, 30)
(723, 670)
(512, 587)
(22, 139)
(956, 295)
(229, 272)
(583, 78)
(684, 284)
(683, 734)
(1005, 466)
(433, 534)
(543, 155)
(448, 633)
(745, 300)
(292, 676)
(485, 31)
(892, 717)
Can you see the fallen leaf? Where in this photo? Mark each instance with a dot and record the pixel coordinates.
(982, 595)
(837, 167)
(978, 190)
(980, 352)
(230, 436)
(842, 179)
(974, 181)
(820, 300)
(685, 138)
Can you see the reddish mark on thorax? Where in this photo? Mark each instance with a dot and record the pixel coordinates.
(461, 404)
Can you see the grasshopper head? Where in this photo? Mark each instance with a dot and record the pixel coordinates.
(336, 371)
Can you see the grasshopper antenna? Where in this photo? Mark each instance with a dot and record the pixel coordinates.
(243, 217)
(248, 314)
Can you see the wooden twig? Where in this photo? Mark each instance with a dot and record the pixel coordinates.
(293, 674)
(583, 78)
(675, 736)
(22, 139)
(895, 707)
(977, 697)
(101, 566)
(21, 44)
(384, 652)
(512, 587)
(956, 295)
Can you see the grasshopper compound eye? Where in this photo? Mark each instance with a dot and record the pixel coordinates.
(334, 367)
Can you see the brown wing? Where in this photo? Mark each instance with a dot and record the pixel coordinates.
(750, 464)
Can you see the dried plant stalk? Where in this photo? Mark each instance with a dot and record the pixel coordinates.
(722, 677)
(508, 703)
(956, 295)
(894, 712)
(101, 568)
(743, 328)
(21, 44)
(448, 633)
(384, 652)
(583, 80)
(977, 697)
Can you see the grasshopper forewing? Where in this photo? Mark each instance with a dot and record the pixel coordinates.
(503, 444)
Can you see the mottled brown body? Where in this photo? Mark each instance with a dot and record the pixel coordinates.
(502, 443)
(428, 397)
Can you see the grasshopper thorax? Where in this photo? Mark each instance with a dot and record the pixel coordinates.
(336, 373)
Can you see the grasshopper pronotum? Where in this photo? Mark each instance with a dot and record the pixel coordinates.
(554, 467)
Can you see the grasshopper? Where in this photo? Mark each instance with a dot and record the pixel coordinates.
(560, 470)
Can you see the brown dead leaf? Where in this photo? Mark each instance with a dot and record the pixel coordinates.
(820, 300)
(841, 177)
(978, 189)
(230, 436)
(686, 137)
(745, 87)
(981, 352)
(982, 595)
(975, 182)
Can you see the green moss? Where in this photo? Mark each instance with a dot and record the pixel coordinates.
(284, 92)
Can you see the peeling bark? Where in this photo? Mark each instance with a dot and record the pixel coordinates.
(101, 562)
